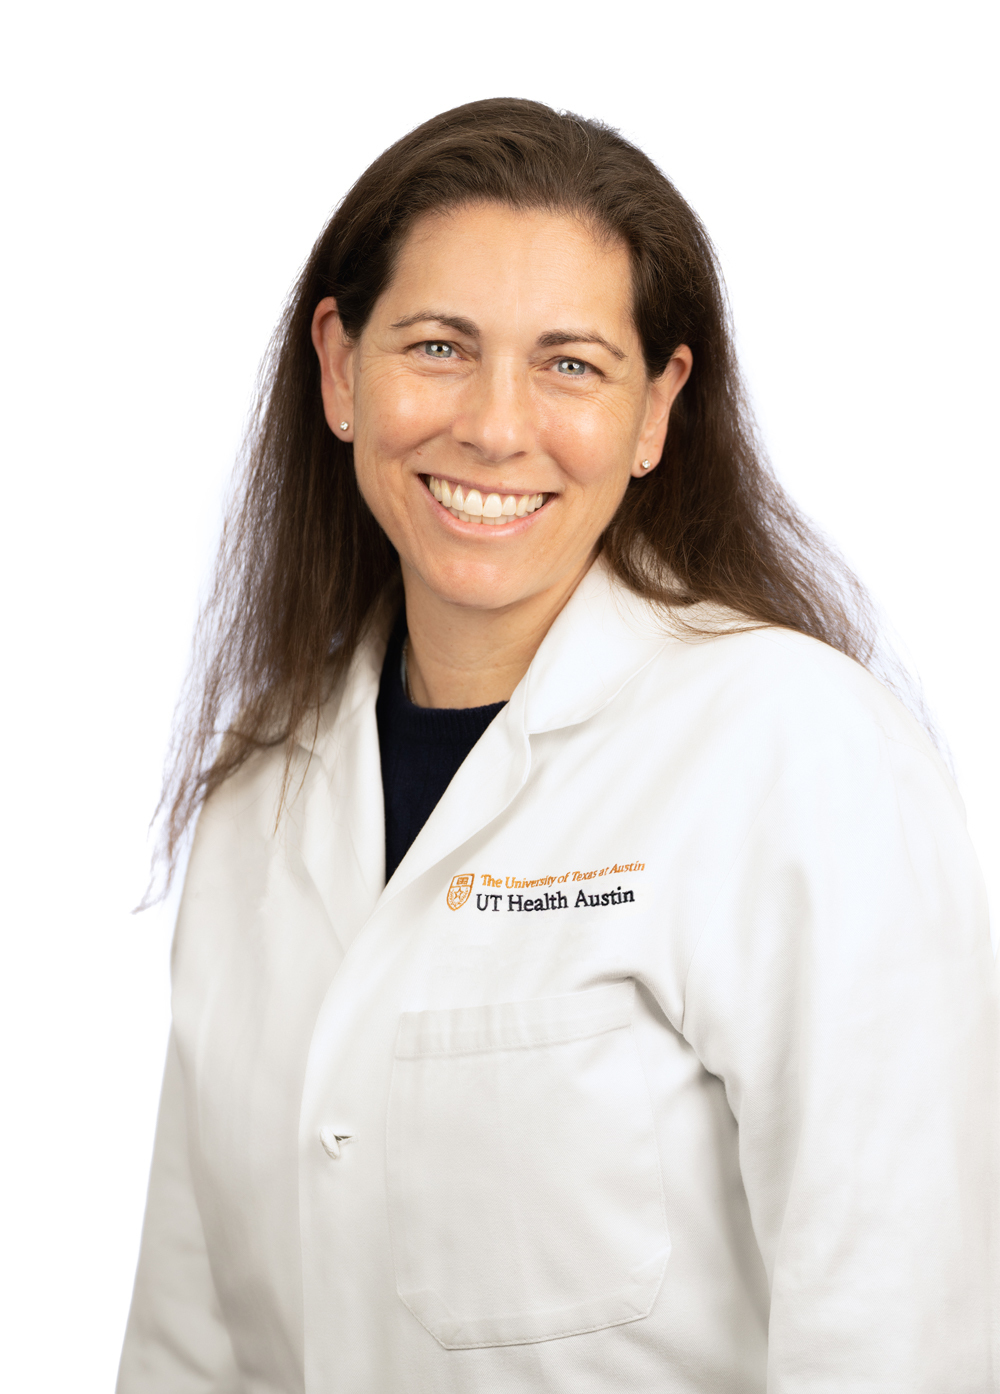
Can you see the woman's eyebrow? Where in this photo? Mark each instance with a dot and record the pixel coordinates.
(555, 338)
(456, 322)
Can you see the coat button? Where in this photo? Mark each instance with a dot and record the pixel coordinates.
(332, 1141)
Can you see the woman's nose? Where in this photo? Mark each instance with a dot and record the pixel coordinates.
(495, 418)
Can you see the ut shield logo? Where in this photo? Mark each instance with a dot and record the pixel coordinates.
(460, 890)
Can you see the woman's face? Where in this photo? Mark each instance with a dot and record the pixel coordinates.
(498, 401)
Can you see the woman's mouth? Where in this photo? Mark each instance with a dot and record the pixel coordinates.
(471, 507)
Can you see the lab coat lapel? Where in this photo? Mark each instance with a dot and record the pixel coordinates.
(602, 637)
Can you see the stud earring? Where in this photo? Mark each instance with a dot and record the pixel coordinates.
(645, 464)
(344, 425)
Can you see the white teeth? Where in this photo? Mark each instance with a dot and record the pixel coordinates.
(472, 508)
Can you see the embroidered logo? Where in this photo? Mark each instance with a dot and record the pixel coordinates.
(460, 890)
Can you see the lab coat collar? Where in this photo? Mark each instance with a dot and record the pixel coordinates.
(603, 636)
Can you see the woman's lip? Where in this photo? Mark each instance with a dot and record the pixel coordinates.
(477, 529)
(489, 488)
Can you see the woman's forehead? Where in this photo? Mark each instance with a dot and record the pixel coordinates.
(530, 263)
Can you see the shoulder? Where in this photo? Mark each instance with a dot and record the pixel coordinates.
(710, 670)
(765, 707)
(784, 685)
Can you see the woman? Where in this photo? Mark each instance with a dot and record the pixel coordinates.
(582, 980)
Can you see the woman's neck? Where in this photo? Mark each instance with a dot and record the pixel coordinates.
(464, 656)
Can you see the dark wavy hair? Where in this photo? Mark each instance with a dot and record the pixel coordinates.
(304, 568)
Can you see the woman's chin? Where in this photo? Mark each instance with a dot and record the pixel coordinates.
(479, 585)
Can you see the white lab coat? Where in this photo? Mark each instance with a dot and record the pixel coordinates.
(711, 1106)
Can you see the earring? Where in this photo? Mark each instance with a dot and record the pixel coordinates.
(645, 464)
(344, 425)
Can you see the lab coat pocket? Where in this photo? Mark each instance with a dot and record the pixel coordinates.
(525, 1199)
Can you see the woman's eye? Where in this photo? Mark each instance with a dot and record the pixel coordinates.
(571, 367)
(433, 349)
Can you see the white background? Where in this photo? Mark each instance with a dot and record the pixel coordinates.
(167, 170)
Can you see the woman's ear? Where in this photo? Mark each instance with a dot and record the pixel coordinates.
(662, 392)
(336, 360)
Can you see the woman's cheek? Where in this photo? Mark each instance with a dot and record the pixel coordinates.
(586, 440)
(407, 410)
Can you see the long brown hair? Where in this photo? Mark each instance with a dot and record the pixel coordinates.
(303, 566)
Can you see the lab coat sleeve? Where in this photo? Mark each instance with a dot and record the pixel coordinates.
(843, 989)
(175, 1342)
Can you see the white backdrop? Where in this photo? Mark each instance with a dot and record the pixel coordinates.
(168, 168)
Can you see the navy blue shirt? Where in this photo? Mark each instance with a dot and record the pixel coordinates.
(421, 749)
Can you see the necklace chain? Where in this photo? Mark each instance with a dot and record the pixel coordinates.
(404, 668)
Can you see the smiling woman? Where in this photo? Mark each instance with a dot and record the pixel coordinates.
(510, 600)
(495, 425)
